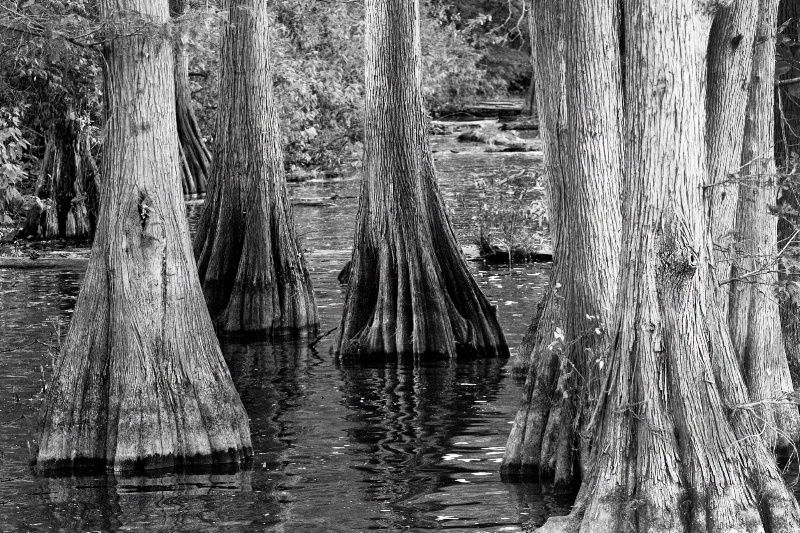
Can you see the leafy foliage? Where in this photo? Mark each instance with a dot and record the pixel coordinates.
(50, 65)
(497, 31)
(13, 166)
(512, 216)
(318, 74)
(46, 76)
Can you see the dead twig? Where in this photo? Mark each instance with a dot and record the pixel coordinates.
(320, 337)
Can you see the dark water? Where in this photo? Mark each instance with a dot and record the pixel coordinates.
(393, 448)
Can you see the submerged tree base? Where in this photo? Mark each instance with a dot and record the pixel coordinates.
(229, 461)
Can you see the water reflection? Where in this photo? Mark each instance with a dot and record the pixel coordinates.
(427, 449)
(153, 503)
(419, 452)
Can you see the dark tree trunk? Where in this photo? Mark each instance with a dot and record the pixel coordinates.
(140, 382)
(568, 342)
(787, 142)
(66, 184)
(529, 105)
(195, 157)
(787, 131)
(409, 292)
(251, 266)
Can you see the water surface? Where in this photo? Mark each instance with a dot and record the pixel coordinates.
(389, 448)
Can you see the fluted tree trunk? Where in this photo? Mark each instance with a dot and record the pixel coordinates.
(251, 266)
(578, 72)
(754, 315)
(194, 156)
(675, 447)
(140, 382)
(409, 292)
(730, 56)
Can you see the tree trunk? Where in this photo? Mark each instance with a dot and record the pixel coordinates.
(730, 56)
(141, 382)
(81, 218)
(755, 320)
(251, 266)
(580, 107)
(529, 105)
(787, 133)
(195, 157)
(787, 142)
(410, 291)
(66, 184)
(676, 447)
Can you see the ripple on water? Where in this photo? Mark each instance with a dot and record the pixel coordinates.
(336, 448)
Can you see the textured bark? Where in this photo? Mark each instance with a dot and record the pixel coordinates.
(251, 266)
(195, 157)
(534, 336)
(141, 382)
(410, 292)
(675, 447)
(754, 315)
(730, 56)
(578, 71)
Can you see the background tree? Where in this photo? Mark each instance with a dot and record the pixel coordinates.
(673, 428)
(141, 382)
(49, 82)
(410, 291)
(195, 157)
(529, 104)
(251, 266)
(787, 145)
(580, 105)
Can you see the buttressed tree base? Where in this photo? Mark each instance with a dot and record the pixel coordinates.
(140, 382)
(410, 292)
(251, 266)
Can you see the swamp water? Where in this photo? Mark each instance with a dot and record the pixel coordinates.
(389, 448)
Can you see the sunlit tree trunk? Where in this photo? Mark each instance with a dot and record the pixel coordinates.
(251, 266)
(580, 109)
(754, 315)
(730, 56)
(675, 447)
(409, 291)
(140, 382)
(195, 157)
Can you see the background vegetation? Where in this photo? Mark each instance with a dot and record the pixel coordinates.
(51, 70)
